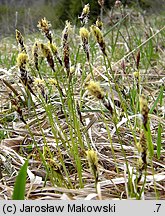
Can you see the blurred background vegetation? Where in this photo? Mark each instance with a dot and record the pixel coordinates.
(24, 14)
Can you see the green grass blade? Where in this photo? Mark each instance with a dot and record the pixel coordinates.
(149, 140)
(19, 186)
(159, 141)
(157, 100)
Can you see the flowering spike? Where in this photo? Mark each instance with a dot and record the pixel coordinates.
(93, 163)
(95, 90)
(99, 38)
(35, 55)
(84, 15)
(144, 110)
(55, 52)
(48, 55)
(20, 40)
(66, 47)
(84, 34)
(44, 26)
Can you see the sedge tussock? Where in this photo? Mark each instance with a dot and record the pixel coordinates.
(95, 110)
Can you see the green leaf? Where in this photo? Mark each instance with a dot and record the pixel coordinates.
(19, 186)
(149, 140)
(160, 96)
(159, 141)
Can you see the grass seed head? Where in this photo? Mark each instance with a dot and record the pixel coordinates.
(85, 14)
(99, 23)
(66, 47)
(35, 54)
(86, 9)
(93, 162)
(38, 81)
(84, 33)
(144, 110)
(52, 81)
(95, 90)
(48, 55)
(20, 40)
(99, 38)
(22, 60)
(44, 26)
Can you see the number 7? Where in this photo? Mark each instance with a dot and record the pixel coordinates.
(158, 207)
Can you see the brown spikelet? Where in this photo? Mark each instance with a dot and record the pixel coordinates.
(99, 38)
(55, 52)
(44, 25)
(16, 105)
(107, 104)
(66, 47)
(84, 34)
(22, 60)
(138, 60)
(20, 40)
(35, 55)
(79, 112)
(48, 55)
(144, 111)
(40, 86)
(142, 148)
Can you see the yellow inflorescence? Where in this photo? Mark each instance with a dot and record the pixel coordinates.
(22, 59)
(84, 33)
(45, 50)
(143, 106)
(52, 81)
(86, 9)
(38, 81)
(97, 34)
(95, 89)
(99, 24)
(92, 158)
(44, 25)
